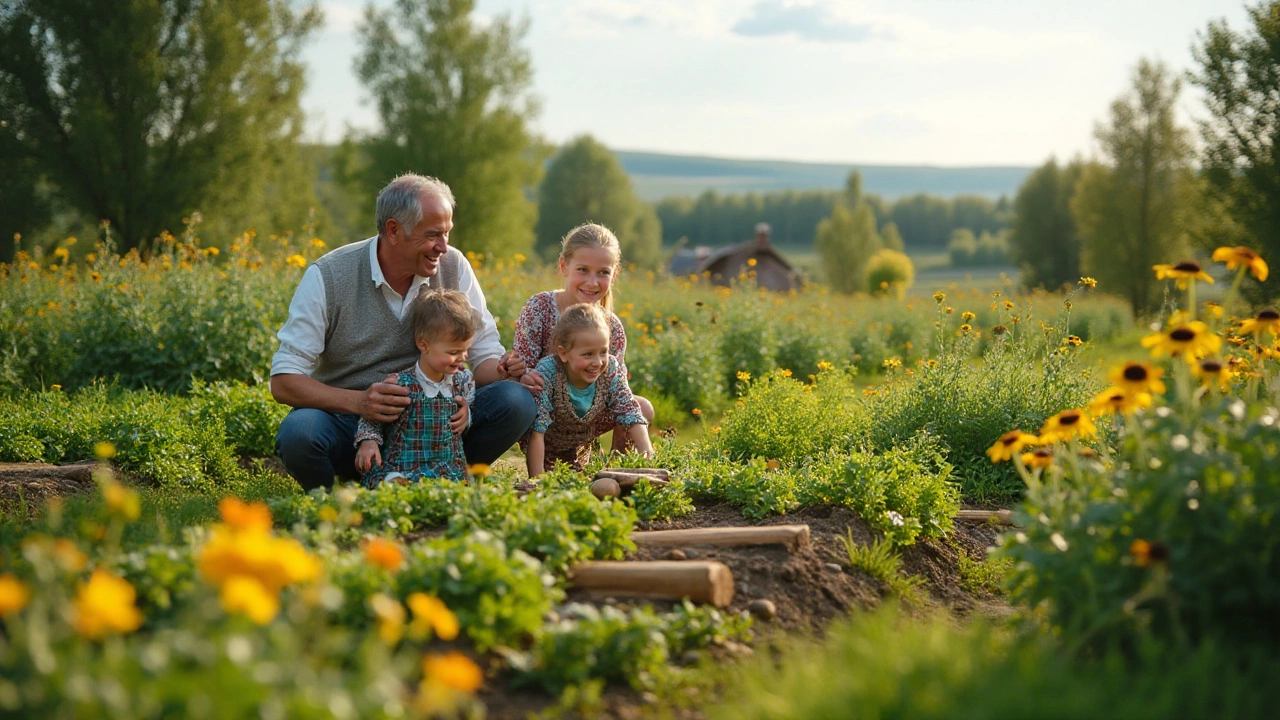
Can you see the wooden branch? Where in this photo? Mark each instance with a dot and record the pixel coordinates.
(700, 581)
(792, 536)
(660, 472)
(999, 517)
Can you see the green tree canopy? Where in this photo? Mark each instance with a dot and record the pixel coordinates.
(586, 183)
(455, 100)
(847, 239)
(1132, 209)
(139, 112)
(1240, 74)
(1045, 242)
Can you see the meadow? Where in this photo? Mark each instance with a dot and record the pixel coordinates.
(194, 578)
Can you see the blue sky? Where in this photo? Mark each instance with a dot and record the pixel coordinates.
(937, 82)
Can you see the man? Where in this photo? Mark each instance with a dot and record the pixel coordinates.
(349, 328)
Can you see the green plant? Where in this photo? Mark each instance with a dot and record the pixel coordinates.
(880, 560)
(781, 418)
(890, 273)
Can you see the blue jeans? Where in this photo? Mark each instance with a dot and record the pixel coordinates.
(317, 445)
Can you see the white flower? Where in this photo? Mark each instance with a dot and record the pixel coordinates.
(896, 518)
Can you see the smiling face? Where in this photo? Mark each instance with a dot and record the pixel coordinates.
(417, 250)
(586, 357)
(588, 274)
(442, 357)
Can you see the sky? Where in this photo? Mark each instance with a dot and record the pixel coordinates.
(913, 82)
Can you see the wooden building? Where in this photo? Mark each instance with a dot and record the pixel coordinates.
(724, 265)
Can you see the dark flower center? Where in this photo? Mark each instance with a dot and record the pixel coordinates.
(1183, 335)
(1211, 366)
(1135, 373)
(1268, 314)
(1190, 266)
(1043, 452)
(1069, 418)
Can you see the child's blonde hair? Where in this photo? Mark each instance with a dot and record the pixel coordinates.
(441, 315)
(591, 235)
(579, 318)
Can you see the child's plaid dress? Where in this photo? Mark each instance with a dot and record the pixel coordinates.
(419, 442)
(567, 437)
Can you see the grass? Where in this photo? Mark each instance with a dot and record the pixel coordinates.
(881, 561)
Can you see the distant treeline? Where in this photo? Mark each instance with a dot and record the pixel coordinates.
(925, 221)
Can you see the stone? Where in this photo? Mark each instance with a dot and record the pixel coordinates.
(834, 567)
(676, 554)
(763, 609)
(606, 488)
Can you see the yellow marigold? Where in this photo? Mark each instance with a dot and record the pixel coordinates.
(1190, 342)
(296, 260)
(824, 365)
(697, 412)
(238, 514)
(121, 500)
(14, 595)
(939, 296)
(390, 614)
(743, 375)
(383, 553)
(1010, 443)
(274, 562)
(785, 372)
(1117, 400)
(105, 605)
(1136, 377)
(244, 595)
(1088, 282)
(966, 316)
(1183, 272)
(1213, 371)
(1241, 256)
(429, 613)
(1267, 320)
(1039, 458)
(1068, 425)
(453, 670)
(479, 470)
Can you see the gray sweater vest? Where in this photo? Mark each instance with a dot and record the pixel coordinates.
(364, 341)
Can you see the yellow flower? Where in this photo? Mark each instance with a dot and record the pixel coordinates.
(1008, 304)
(743, 375)
(104, 605)
(1182, 272)
(1136, 377)
(519, 258)
(1039, 458)
(1118, 400)
(1213, 310)
(939, 296)
(751, 262)
(238, 514)
(697, 412)
(1067, 425)
(1267, 320)
(13, 595)
(431, 614)
(104, 450)
(479, 470)
(824, 366)
(296, 260)
(69, 556)
(317, 242)
(1010, 443)
(273, 562)
(383, 553)
(243, 595)
(454, 671)
(95, 276)
(55, 387)
(390, 614)
(785, 373)
(61, 253)
(966, 316)
(1190, 341)
(328, 514)
(1211, 370)
(1241, 256)
(1072, 340)
(213, 251)
(121, 500)
(966, 328)
(1089, 282)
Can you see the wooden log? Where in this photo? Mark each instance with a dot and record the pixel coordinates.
(793, 537)
(699, 580)
(999, 517)
(660, 472)
(627, 481)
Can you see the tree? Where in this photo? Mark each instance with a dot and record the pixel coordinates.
(891, 238)
(1131, 211)
(847, 239)
(139, 112)
(586, 183)
(1045, 242)
(455, 101)
(1239, 74)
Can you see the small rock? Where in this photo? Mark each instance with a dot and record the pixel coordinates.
(763, 609)
(676, 554)
(788, 573)
(606, 488)
(834, 567)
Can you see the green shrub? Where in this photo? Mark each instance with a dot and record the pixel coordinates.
(784, 419)
(680, 364)
(249, 414)
(890, 273)
(747, 343)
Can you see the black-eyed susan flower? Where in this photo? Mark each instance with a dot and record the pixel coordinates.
(1146, 554)
(1072, 340)
(1190, 342)
(999, 330)
(1068, 425)
(966, 328)
(1213, 371)
(1267, 320)
(1136, 377)
(1009, 444)
(1183, 272)
(1117, 400)
(1213, 310)
(1041, 457)
(1242, 257)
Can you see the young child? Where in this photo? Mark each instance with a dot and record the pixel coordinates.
(589, 259)
(582, 384)
(423, 441)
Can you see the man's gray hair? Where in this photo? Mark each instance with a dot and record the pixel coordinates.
(401, 199)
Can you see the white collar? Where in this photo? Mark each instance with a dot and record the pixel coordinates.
(430, 387)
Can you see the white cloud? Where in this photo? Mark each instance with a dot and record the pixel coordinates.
(341, 16)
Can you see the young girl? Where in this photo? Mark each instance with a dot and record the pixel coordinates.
(422, 441)
(589, 259)
(582, 383)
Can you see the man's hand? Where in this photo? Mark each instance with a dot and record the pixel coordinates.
(368, 456)
(384, 401)
(533, 381)
(458, 420)
(511, 367)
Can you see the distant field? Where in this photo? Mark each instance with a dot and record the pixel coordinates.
(933, 272)
(656, 176)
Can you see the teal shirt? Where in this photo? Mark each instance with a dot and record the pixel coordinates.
(581, 399)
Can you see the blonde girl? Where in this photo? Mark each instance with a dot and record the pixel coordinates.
(582, 383)
(589, 260)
